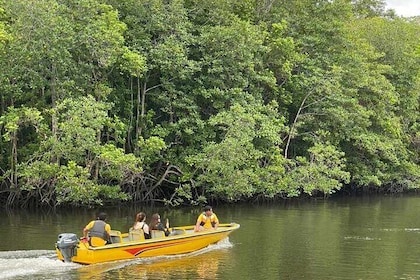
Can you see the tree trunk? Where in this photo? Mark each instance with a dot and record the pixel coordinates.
(13, 161)
(292, 128)
(54, 121)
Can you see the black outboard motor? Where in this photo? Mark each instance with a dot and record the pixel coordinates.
(67, 244)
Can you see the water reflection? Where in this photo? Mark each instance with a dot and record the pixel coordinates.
(203, 266)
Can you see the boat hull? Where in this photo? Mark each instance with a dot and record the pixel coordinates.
(187, 242)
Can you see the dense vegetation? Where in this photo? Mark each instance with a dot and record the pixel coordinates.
(183, 101)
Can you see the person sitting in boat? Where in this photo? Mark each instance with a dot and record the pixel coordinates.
(140, 223)
(207, 220)
(98, 231)
(156, 225)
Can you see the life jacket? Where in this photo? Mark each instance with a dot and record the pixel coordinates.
(204, 219)
(98, 230)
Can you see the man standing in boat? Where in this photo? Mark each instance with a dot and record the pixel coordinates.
(207, 220)
(97, 230)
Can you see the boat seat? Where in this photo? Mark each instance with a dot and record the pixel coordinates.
(115, 236)
(157, 233)
(136, 235)
(95, 241)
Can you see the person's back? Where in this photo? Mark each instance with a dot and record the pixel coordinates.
(156, 225)
(140, 224)
(97, 230)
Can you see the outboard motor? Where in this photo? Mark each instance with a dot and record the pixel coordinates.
(67, 244)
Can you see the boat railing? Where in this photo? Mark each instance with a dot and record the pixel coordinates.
(138, 235)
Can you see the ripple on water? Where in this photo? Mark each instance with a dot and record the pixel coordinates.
(362, 238)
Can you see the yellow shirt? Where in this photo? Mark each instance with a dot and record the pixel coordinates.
(207, 222)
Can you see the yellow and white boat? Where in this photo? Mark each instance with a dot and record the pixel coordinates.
(132, 245)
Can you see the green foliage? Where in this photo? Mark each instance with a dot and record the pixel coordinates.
(230, 168)
(115, 165)
(40, 53)
(324, 171)
(133, 63)
(4, 35)
(183, 101)
(382, 151)
(36, 175)
(74, 187)
(80, 121)
(151, 148)
(65, 185)
(229, 58)
(99, 33)
(369, 8)
(17, 117)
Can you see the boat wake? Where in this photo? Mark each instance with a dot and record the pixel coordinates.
(43, 264)
(21, 264)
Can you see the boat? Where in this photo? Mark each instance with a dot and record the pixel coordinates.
(132, 245)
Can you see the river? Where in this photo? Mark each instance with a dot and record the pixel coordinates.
(340, 238)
